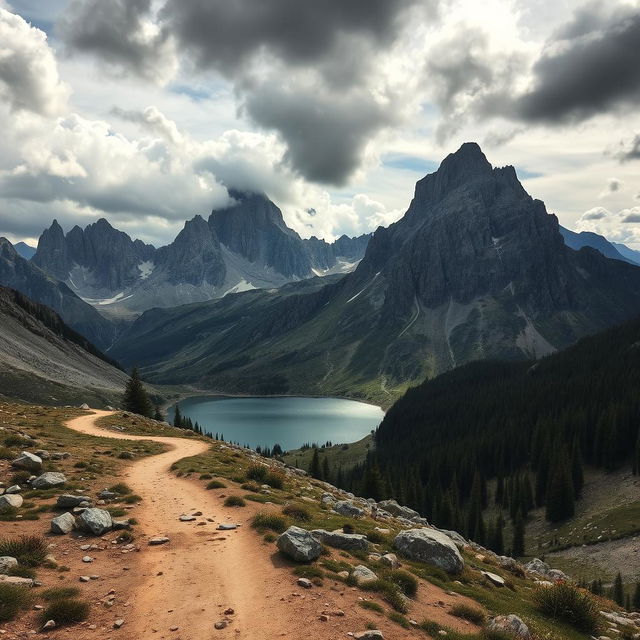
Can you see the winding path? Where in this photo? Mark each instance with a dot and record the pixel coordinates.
(189, 582)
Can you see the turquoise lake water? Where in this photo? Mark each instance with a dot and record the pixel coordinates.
(290, 422)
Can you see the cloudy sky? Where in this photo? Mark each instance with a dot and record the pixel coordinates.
(144, 111)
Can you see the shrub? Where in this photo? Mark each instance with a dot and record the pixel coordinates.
(121, 488)
(466, 612)
(297, 512)
(250, 486)
(371, 606)
(117, 512)
(216, 484)
(205, 476)
(308, 571)
(389, 591)
(81, 465)
(21, 477)
(29, 551)
(126, 455)
(563, 601)
(16, 441)
(398, 618)
(12, 600)
(376, 537)
(6, 454)
(271, 521)
(60, 593)
(274, 479)
(257, 472)
(269, 537)
(65, 611)
(407, 582)
(132, 499)
(431, 628)
(234, 501)
(21, 571)
(495, 634)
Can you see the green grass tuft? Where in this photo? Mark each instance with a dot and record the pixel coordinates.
(234, 501)
(65, 612)
(271, 521)
(13, 599)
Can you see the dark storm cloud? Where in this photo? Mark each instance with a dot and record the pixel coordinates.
(115, 31)
(592, 66)
(305, 70)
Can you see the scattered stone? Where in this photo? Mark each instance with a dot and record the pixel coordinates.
(373, 634)
(390, 560)
(221, 624)
(105, 494)
(346, 508)
(63, 524)
(68, 501)
(229, 612)
(299, 545)
(339, 540)
(510, 624)
(84, 578)
(495, 579)
(28, 461)
(49, 480)
(185, 518)
(392, 507)
(431, 547)
(87, 559)
(6, 562)
(96, 521)
(305, 583)
(118, 623)
(362, 574)
(158, 540)
(42, 453)
(49, 624)
(84, 405)
(227, 527)
(11, 500)
(14, 489)
(19, 582)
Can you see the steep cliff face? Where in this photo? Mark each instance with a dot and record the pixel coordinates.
(476, 269)
(24, 276)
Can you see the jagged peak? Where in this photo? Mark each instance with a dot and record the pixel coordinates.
(467, 161)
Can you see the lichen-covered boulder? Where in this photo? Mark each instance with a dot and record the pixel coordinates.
(11, 500)
(68, 501)
(6, 563)
(347, 508)
(28, 461)
(340, 540)
(431, 547)
(96, 521)
(63, 524)
(395, 509)
(299, 545)
(49, 480)
(362, 574)
(511, 625)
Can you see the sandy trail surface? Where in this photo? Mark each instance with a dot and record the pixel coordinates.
(181, 589)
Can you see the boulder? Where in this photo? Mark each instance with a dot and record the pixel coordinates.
(6, 562)
(45, 455)
(11, 500)
(362, 574)
(49, 480)
(63, 524)
(373, 634)
(458, 540)
(431, 547)
(347, 508)
(511, 625)
(96, 521)
(17, 581)
(340, 540)
(68, 501)
(28, 461)
(395, 509)
(390, 560)
(538, 566)
(299, 545)
(14, 488)
(494, 578)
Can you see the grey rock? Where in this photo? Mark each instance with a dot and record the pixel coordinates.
(510, 624)
(107, 495)
(6, 562)
(362, 574)
(227, 527)
(68, 501)
(431, 547)
(63, 524)
(41, 453)
(120, 525)
(494, 578)
(390, 560)
(299, 545)
(372, 634)
(340, 540)
(158, 540)
(96, 521)
(347, 508)
(18, 582)
(392, 507)
(28, 461)
(459, 541)
(15, 488)
(11, 500)
(49, 480)
(305, 583)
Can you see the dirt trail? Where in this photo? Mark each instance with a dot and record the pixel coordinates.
(189, 582)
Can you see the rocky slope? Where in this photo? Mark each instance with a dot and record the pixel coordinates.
(25, 276)
(475, 269)
(43, 360)
(246, 245)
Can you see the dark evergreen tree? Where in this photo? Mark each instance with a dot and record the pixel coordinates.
(177, 417)
(136, 399)
(635, 603)
(617, 594)
(518, 546)
(316, 469)
(560, 493)
(326, 474)
(577, 471)
(158, 415)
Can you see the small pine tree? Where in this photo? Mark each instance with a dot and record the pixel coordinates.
(315, 469)
(177, 417)
(157, 414)
(325, 469)
(518, 547)
(560, 493)
(135, 397)
(617, 594)
(635, 603)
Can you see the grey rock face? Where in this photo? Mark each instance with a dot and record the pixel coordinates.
(6, 563)
(49, 480)
(392, 507)
(299, 545)
(11, 500)
(28, 461)
(346, 508)
(431, 547)
(339, 540)
(96, 521)
(63, 524)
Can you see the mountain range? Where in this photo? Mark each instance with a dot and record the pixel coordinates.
(246, 245)
(476, 269)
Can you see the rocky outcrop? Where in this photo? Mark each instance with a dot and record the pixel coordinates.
(49, 480)
(95, 521)
(299, 545)
(340, 540)
(347, 508)
(431, 547)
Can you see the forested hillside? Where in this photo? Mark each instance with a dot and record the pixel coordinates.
(531, 426)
